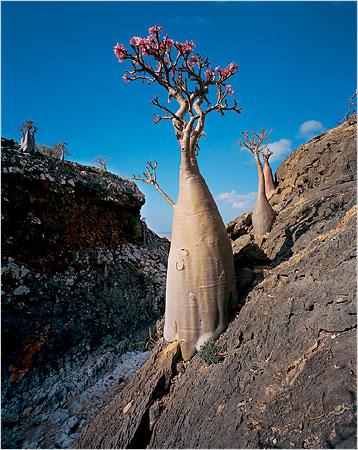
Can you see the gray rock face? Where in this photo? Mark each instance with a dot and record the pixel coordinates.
(52, 413)
(240, 226)
(288, 377)
(83, 282)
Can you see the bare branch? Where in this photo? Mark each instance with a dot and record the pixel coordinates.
(155, 102)
(266, 153)
(255, 142)
(157, 118)
(150, 177)
(352, 109)
(101, 162)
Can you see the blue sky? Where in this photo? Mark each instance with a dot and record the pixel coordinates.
(297, 66)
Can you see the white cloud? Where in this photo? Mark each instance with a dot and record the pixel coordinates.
(238, 201)
(279, 148)
(310, 129)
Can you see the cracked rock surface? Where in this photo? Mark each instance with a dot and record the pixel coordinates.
(288, 376)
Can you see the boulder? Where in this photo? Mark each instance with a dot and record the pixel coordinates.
(240, 226)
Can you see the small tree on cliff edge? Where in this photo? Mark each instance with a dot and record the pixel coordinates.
(28, 131)
(200, 278)
(101, 162)
(263, 215)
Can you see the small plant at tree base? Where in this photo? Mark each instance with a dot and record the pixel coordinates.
(200, 286)
(270, 185)
(28, 131)
(101, 162)
(263, 215)
(211, 353)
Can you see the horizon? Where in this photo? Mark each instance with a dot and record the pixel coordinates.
(73, 89)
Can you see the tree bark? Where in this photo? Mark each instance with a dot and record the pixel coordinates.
(28, 142)
(201, 284)
(164, 195)
(25, 141)
(269, 182)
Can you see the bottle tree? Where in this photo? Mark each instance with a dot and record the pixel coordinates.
(263, 215)
(28, 131)
(270, 186)
(200, 286)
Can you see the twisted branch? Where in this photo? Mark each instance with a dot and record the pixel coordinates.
(182, 76)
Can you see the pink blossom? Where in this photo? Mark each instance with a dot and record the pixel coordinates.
(120, 52)
(229, 89)
(155, 29)
(232, 67)
(228, 71)
(186, 46)
(193, 60)
(150, 40)
(125, 78)
(210, 75)
(145, 44)
(166, 43)
(135, 40)
(203, 134)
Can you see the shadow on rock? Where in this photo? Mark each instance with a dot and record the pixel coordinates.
(250, 262)
(285, 251)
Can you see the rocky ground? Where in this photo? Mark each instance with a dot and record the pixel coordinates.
(83, 282)
(52, 413)
(287, 372)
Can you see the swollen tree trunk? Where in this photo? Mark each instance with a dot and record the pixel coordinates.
(27, 142)
(269, 182)
(31, 143)
(263, 215)
(201, 286)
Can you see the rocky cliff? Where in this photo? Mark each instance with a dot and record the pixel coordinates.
(83, 281)
(283, 375)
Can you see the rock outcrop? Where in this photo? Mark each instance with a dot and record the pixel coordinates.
(83, 280)
(287, 376)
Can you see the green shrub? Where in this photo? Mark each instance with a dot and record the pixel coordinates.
(210, 353)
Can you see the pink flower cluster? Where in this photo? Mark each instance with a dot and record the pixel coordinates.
(228, 71)
(145, 44)
(229, 89)
(155, 29)
(186, 47)
(125, 78)
(193, 60)
(166, 43)
(210, 75)
(120, 52)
